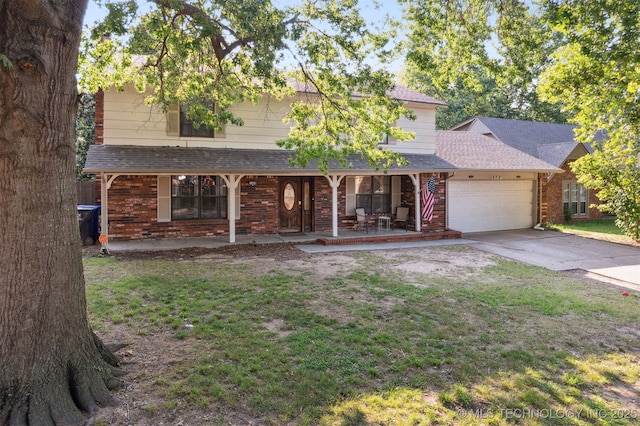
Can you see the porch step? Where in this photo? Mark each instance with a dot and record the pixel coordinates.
(396, 238)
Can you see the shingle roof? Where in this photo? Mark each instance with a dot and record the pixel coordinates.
(155, 159)
(410, 95)
(398, 92)
(474, 151)
(546, 141)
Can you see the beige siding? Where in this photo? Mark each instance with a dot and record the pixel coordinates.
(128, 121)
(474, 175)
(424, 128)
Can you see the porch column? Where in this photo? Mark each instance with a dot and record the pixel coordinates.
(334, 181)
(232, 182)
(105, 184)
(415, 178)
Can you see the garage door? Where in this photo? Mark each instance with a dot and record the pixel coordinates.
(479, 206)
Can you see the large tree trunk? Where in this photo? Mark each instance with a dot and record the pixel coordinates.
(52, 369)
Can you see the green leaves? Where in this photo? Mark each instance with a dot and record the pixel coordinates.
(5, 61)
(595, 76)
(234, 51)
(483, 57)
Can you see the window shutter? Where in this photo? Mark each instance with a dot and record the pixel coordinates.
(220, 133)
(173, 119)
(396, 196)
(350, 201)
(164, 198)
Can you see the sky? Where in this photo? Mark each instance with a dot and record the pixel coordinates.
(369, 11)
(373, 11)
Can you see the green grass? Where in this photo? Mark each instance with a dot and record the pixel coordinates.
(363, 347)
(603, 226)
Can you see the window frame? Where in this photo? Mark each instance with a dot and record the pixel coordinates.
(378, 198)
(186, 125)
(575, 197)
(199, 198)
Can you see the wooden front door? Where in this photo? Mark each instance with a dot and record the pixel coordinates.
(290, 204)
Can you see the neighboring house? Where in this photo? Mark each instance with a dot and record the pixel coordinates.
(161, 178)
(554, 144)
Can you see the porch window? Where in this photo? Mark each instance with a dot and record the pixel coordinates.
(189, 128)
(574, 199)
(198, 197)
(373, 193)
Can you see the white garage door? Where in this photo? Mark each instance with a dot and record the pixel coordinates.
(478, 206)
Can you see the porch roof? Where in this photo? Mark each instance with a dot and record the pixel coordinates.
(130, 159)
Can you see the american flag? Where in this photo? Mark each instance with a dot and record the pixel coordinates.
(428, 199)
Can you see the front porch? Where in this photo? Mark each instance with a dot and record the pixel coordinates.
(345, 237)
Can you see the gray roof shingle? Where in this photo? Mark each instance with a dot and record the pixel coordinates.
(155, 159)
(474, 151)
(546, 141)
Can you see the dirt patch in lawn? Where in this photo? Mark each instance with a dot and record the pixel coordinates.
(155, 359)
(158, 360)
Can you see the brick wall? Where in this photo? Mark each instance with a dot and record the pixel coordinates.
(258, 207)
(133, 211)
(543, 214)
(323, 213)
(438, 224)
(554, 197)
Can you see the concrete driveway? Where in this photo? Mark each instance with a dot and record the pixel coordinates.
(615, 263)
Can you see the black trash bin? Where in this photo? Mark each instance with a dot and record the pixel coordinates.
(89, 222)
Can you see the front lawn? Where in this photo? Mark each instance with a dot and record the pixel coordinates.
(603, 229)
(443, 335)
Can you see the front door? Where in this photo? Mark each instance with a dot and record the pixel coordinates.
(290, 205)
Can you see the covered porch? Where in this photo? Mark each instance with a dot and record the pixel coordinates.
(259, 186)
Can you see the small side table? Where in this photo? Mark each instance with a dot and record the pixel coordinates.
(384, 223)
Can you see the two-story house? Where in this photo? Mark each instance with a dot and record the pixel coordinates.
(163, 178)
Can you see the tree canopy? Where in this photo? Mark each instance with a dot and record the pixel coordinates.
(596, 77)
(237, 51)
(483, 57)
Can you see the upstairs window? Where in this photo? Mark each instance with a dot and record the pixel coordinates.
(189, 128)
(198, 197)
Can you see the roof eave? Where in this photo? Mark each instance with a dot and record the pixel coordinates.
(262, 172)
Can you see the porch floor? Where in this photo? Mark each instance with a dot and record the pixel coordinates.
(320, 239)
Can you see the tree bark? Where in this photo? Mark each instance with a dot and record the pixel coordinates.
(52, 369)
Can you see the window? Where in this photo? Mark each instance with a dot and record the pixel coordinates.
(574, 199)
(198, 197)
(189, 128)
(373, 193)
